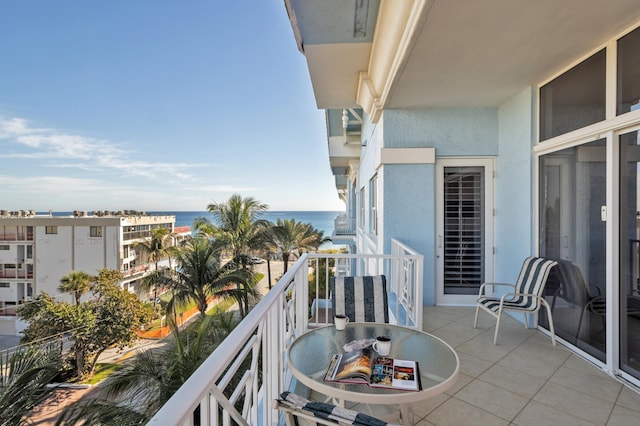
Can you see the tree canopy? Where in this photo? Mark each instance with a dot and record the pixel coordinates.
(111, 317)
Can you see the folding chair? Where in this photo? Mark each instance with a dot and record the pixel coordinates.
(296, 407)
(361, 299)
(526, 296)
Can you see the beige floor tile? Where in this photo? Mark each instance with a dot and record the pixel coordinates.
(622, 416)
(575, 403)
(577, 363)
(423, 422)
(456, 334)
(458, 413)
(423, 408)
(540, 346)
(462, 381)
(482, 347)
(432, 323)
(472, 365)
(629, 399)
(538, 414)
(512, 335)
(512, 380)
(530, 364)
(599, 387)
(451, 313)
(493, 399)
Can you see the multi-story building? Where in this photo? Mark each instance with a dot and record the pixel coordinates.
(37, 250)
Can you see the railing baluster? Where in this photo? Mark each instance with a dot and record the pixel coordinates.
(264, 336)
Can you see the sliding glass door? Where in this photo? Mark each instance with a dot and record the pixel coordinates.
(629, 287)
(572, 230)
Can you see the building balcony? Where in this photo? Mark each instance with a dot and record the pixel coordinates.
(343, 225)
(523, 380)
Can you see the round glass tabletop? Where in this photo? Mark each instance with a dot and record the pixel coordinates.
(310, 354)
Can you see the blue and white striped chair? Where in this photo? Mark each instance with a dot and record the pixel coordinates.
(296, 407)
(361, 299)
(526, 296)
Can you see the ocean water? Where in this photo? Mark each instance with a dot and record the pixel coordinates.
(321, 220)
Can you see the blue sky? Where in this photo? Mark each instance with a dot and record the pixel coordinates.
(157, 105)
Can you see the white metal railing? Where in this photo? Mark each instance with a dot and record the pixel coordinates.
(240, 379)
(343, 225)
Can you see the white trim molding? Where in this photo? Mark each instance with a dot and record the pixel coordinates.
(407, 156)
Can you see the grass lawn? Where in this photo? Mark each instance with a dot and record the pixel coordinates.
(103, 370)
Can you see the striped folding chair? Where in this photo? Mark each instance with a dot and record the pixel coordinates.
(526, 296)
(361, 299)
(296, 408)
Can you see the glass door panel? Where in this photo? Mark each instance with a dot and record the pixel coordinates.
(572, 230)
(630, 254)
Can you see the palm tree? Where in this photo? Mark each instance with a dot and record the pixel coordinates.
(238, 226)
(134, 393)
(156, 250)
(24, 376)
(76, 282)
(201, 275)
(290, 236)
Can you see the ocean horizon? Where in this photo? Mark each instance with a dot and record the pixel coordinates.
(322, 220)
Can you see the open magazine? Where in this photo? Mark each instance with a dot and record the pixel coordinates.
(365, 366)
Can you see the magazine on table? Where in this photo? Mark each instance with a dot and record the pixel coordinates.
(367, 367)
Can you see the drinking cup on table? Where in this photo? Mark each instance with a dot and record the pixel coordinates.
(340, 321)
(382, 345)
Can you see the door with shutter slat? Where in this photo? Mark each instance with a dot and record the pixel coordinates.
(465, 223)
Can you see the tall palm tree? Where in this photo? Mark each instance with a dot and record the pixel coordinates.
(76, 282)
(201, 275)
(237, 224)
(156, 250)
(290, 235)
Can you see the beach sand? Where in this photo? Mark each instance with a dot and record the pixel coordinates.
(277, 270)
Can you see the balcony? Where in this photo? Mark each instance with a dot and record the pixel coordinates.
(343, 225)
(523, 380)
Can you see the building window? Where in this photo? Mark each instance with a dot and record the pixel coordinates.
(4, 247)
(628, 72)
(95, 231)
(4, 285)
(29, 252)
(361, 206)
(575, 99)
(373, 205)
(51, 229)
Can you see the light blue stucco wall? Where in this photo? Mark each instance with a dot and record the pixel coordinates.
(409, 189)
(467, 132)
(514, 186)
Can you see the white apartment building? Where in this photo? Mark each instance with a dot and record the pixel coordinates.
(37, 250)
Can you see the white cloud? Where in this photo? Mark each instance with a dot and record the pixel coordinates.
(61, 149)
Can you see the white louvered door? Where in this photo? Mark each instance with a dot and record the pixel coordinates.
(464, 246)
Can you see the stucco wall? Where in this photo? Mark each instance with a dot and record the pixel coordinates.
(450, 131)
(409, 189)
(514, 200)
(52, 258)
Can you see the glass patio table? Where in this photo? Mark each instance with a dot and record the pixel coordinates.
(310, 354)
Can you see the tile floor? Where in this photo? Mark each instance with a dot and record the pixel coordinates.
(523, 380)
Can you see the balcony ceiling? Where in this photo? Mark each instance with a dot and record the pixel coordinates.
(465, 53)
